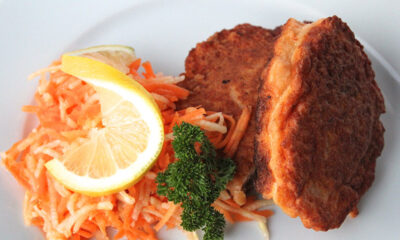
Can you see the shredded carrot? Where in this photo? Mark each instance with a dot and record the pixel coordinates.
(232, 203)
(30, 109)
(179, 92)
(240, 129)
(89, 226)
(119, 234)
(194, 115)
(85, 234)
(67, 108)
(240, 218)
(265, 213)
(241, 211)
(149, 70)
(230, 132)
(76, 237)
(166, 217)
(197, 147)
(37, 221)
(227, 215)
(134, 67)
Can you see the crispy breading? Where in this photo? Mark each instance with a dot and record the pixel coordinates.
(223, 74)
(319, 132)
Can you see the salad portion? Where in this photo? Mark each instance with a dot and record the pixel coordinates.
(112, 151)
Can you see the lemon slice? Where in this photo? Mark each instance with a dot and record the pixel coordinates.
(117, 56)
(115, 156)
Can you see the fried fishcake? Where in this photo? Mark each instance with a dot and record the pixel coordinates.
(318, 133)
(223, 74)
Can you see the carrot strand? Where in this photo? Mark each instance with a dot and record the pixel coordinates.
(240, 129)
(166, 217)
(149, 70)
(134, 67)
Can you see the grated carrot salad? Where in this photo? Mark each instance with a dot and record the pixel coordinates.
(67, 108)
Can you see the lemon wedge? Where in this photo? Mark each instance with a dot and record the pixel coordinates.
(117, 56)
(117, 155)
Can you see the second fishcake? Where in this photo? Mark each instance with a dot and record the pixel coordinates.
(319, 132)
(223, 74)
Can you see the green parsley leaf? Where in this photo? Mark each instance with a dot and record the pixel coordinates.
(196, 180)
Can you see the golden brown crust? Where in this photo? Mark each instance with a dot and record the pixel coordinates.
(223, 74)
(325, 125)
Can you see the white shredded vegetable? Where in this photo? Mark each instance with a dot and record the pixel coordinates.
(126, 198)
(191, 235)
(241, 211)
(211, 126)
(259, 204)
(264, 229)
(44, 70)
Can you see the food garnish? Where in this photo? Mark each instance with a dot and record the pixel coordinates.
(196, 180)
(68, 109)
(125, 142)
(117, 56)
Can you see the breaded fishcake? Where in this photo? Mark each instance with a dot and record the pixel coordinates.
(223, 74)
(318, 132)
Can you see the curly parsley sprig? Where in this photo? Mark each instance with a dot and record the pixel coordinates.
(196, 180)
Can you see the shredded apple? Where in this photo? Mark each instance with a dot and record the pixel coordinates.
(67, 108)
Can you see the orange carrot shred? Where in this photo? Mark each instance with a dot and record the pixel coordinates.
(227, 215)
(134, 67)
(180, 93)
(230, 132)
(89, 226)
(85, 234)
(30, 109)
(149, 70)
(265, 213)
(240, 129)
(166, 217)
(120, 234)
(231, 203)
(239, 218)
(76, 237)
(197, 147)
(192, 116)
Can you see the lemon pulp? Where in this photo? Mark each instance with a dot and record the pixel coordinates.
(116, 155)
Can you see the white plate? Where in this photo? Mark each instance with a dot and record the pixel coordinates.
(36, 33)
